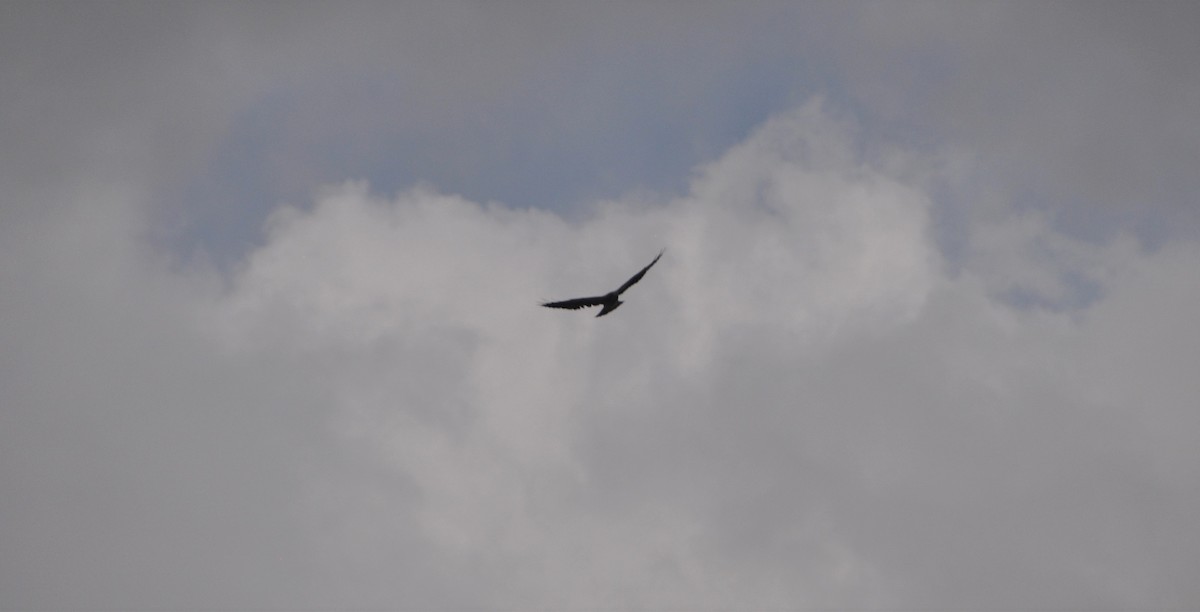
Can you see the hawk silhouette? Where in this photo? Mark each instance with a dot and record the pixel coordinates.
(609, 300)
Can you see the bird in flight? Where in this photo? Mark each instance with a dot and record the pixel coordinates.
(609, 300)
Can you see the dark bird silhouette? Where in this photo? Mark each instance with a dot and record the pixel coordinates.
(609, 300)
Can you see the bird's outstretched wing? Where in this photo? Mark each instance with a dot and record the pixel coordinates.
(576, 303)
(637, 277)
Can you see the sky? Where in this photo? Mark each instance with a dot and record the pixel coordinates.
(922, 336)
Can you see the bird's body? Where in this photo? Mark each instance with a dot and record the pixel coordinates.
(609, 301)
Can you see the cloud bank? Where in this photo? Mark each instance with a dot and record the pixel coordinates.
(804, 405)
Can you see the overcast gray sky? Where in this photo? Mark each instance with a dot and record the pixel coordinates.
(923, 336)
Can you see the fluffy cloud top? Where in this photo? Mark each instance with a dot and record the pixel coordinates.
(802, 405)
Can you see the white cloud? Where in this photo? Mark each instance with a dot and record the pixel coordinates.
(797, 407)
